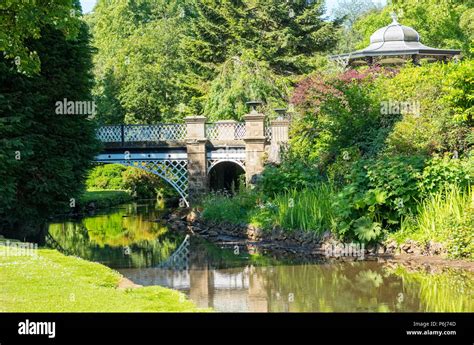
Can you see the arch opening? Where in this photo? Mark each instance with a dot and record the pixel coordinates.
(160, 171)
(227, 177)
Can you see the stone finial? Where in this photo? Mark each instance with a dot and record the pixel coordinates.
(394, 17)
(254, 105)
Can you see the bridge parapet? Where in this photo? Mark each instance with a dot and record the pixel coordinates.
(142, 133)
(171, 134)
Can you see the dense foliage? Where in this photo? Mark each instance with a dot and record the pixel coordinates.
(44, 155)
(172, 59)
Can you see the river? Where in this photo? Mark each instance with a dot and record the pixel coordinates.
(229, 279)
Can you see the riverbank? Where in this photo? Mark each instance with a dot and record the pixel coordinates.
(93, 200)
(48, 281)
(308, 245)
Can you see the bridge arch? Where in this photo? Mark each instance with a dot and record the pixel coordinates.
(173, 172)
(224, 174)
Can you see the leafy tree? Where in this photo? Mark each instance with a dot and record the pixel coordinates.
(350, 11)
(22, 20)
(45, 156)
(139, 73)
(240, 79)
(286, 37)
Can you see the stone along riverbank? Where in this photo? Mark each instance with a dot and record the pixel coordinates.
(307, 246)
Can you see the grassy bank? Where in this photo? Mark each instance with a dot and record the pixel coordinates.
(99, 199)
(308, 210)
(445, 217)
(51, 282)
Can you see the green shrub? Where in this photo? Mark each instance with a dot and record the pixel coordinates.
(441, 172)
(107, 176)
(336, 112)
(381, 191)
(290, 175)
(140, 183)
(143, 184)
(442, 94)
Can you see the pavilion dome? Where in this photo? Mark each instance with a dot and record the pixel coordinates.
(395, 32)
(394, 44)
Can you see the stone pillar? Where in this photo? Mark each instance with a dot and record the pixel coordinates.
(254, 145)
(279, 138)
(197, 164)
(280, 129)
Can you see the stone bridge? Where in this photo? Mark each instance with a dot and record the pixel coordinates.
(196, 156)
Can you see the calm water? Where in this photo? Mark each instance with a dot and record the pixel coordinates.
(128, 239)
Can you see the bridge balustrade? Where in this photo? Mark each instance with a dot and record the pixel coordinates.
(225, 130)
(140, 133)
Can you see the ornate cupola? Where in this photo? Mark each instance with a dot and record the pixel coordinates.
(395, 44)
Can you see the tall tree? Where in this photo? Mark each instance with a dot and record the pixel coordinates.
(45, 155)
(138, 67)
(284, 36)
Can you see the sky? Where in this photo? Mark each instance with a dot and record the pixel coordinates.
(88, 5)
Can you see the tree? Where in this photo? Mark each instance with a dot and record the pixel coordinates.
(240, 79)
(45, 155)
(139, 72)
(349, 12)
(22, 20)
(285, 36)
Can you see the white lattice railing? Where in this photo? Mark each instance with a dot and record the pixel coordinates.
(138, 133)
(225, 131)
(109, 134)
(268, 132)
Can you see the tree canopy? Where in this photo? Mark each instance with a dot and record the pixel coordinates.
(44, 155)
(166, 61)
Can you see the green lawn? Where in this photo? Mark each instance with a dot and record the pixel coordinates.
(53, 282)
(105, 198)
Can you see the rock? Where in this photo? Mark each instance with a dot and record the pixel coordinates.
(380, 249)
(371, 249)
(391, 247)
(213, 233)
(192, 216)
(435, 248)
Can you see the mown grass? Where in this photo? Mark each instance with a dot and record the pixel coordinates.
(49, 281)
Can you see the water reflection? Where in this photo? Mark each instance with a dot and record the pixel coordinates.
(125, 236)
(340, 287)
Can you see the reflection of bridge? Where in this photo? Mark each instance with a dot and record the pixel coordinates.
(186, 154)
(179, 260)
